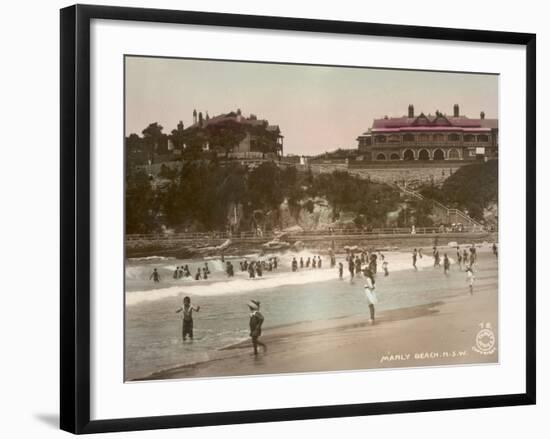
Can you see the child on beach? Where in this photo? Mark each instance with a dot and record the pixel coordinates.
(155, 276)
(370, 293)
(340, 271)
(319, 262)
(414, 259)
(187, 320)
(385, 268)
(255, 324)
(198, 275)
(471, 278)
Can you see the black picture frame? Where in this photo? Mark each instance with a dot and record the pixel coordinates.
(75, 217)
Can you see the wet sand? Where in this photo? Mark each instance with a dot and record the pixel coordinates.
(441, 333)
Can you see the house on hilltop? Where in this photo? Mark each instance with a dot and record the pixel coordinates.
(233, 135)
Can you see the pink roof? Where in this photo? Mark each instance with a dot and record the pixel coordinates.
(432, 128)
(438, 122)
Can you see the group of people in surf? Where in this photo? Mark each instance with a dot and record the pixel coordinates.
(316, 262)
(184, 272)
(257, 268)
(365, 260)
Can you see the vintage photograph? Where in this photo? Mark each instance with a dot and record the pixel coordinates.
(294, 218)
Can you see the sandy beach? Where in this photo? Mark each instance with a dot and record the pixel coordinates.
(439, 333)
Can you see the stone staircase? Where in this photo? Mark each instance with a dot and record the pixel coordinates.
(444, 214)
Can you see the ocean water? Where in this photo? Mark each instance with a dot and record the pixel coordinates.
(153, 329)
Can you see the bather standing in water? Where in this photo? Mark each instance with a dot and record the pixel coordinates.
(255, 323)
(155, 276)
(370, 293)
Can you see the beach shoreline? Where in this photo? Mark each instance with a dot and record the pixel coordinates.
(441, 333)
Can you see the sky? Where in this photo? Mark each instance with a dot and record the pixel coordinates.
(317, 108)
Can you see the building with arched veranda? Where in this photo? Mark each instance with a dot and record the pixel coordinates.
(430, 138)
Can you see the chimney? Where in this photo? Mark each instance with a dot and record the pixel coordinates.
(194, 116)
(200, 118)
(456, 111)
(482, 115)
(411, 111)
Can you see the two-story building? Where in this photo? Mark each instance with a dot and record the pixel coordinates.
(430, 137)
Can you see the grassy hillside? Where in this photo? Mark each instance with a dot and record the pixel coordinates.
(199, 196)
(472, 188)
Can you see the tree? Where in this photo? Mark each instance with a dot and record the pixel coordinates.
(225, 135)
(153, 136)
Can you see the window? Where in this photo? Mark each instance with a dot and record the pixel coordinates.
(394, 156)
(423, 137)
(454, 155)
(408, 138)
(469, 138)
(439, 155)
(424, 155)
(394, 138)
(380, 139)
(380, 157)
(408, 155)
(482, 138)
(453, 137)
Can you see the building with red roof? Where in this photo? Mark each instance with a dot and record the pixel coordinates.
(430, 138)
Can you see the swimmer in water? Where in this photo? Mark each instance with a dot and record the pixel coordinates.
(187, 318)
(155, 276)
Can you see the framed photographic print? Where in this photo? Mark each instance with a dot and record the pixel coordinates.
(286, 218)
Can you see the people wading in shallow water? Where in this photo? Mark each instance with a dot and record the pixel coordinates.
(459, 258)
(473, 255)
(301, 262)
(187, 320)
(436, 258)
(385, 268)
(294, 264)
(155, 276)
(471, 278)
(495, 249)
(351, 268)
(415, 253)
(446, 264)
(370, 293)
(255, 324)
(340, 271)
